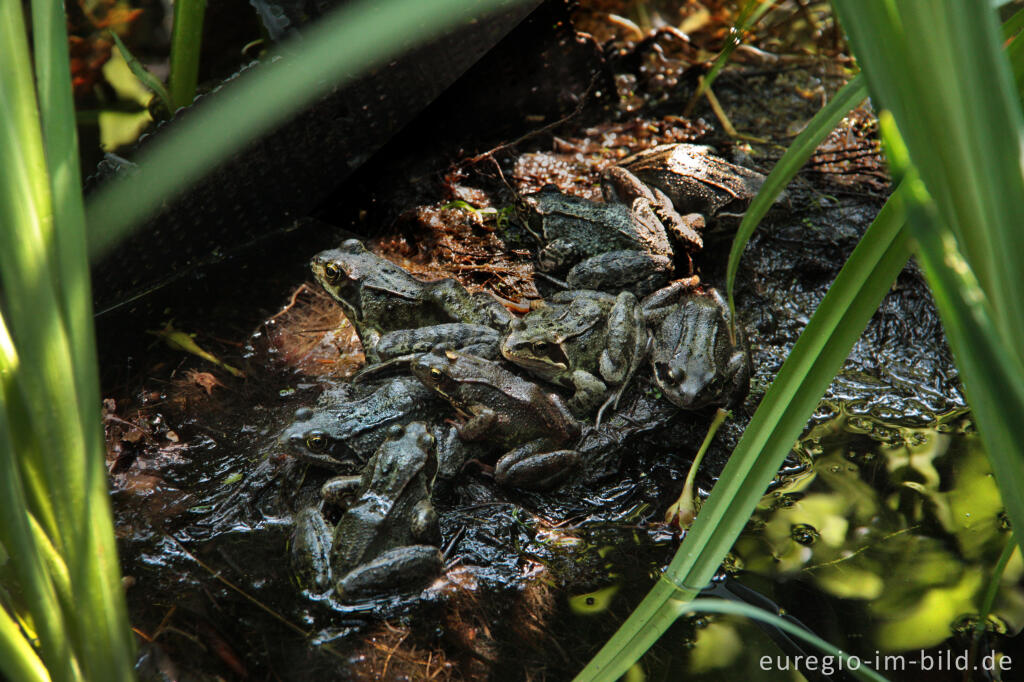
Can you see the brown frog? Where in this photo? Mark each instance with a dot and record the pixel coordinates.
(589, 341)
(388, 539)
(530, 426)
(696, 360)
(379, 296)
(693, 180)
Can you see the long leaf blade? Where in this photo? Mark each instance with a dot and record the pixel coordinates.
(784, 171)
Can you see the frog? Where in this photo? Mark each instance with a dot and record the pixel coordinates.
(350, 422)
(396, 349)
(588, 341)
(388, 538)
(348, 425)
(690, 178)
(594, 245)
(530, 426)
(379, 296)
(696, 360)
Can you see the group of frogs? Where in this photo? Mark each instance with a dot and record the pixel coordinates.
(446, 377)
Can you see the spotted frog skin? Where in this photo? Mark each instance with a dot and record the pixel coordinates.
(528, 425)
(350, 422)
(348, 426)
(588, 341)
(695, 360)
(606, 246)
(379, 296)
(388, 539)
(693, 179)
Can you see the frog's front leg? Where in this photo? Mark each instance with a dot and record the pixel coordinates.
(310, 551)
(478, 426)
(423, 523)
(399, 568)
(636, 271)
(557, 255)
(336, 489)
(368, 337)
(618, 184)
(534, 467)
(590, 391)
(738, 371)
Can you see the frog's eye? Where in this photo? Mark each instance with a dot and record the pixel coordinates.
(540, 346)
(316, 441)
(676, 374)
(436, 374)
(333, 273)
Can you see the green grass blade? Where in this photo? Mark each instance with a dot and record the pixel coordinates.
(25, 192)
(938, 66)
(186, 39)
(796, 155)
(55, 392)
(18, 661)
(995, 580)
(775, 426)
(97, 620)
(19, 538)
(347, 42)
(140, 71)
(749, 15)
(852, 665)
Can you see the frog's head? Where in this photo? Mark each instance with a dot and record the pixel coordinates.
(437, 372)
(340, 271)
(534, 348)
(308, 438)
(530, 209)
(690, 385)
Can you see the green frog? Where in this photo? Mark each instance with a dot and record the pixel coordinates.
(695, 359)
(588, 341)
(693, 179)
(529, 425)
(351, 421)
(388, 539)
(347, 427)
(379, 296)
(610, 246)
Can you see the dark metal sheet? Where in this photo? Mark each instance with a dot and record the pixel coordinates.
(283, 175)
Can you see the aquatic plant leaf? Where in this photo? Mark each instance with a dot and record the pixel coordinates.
(51, 394)
(939, 68)
(143, 74)
(992, 373)
(842, 660)
(179, 340)
(186, 39)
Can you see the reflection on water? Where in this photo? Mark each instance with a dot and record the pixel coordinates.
(886, 543)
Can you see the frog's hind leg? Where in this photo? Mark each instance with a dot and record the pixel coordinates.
(402, 567)
(527, 467)
(625, 270)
